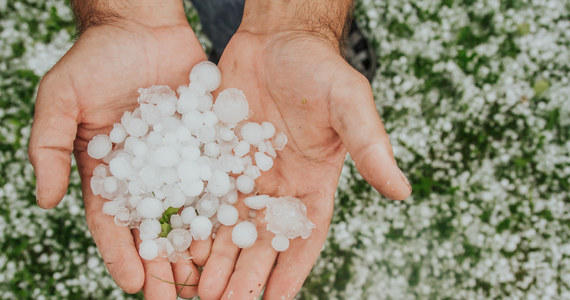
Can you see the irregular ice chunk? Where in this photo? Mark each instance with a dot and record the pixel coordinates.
(201, 228)
(227, 214)
(279, 141)
(245, 184)
(280, 243)
(263, 162)
(244, 234)
(148, 249)
(155, 94)
(231, 106)
(112, 207)
(150, 208)
(99, 146)
(180, 239)
(287, 216)
(207, 74)
(257, 202)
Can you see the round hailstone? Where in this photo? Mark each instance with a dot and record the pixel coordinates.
(188, 102)
(188, 171)
(252, 133)
(231, 106)
(149, 229)
(100, 171)
(201, 228)
(231, 197)
(280, 243)
(188, 214)
(110, 184)
(192, 120)
(268, 130)
(151, 177)
(148, 249)
(183, 134)
(167, 108)
(118, 134)
(176, 221)
(205, 102)
(150, 208)
(99, 146)
(190, 152)
(207, 74)
(136, 127)
(244, 234)
(245, 184)
(120, 167)
(263, 161)
(206, 134)
(192, 188)
(112, 207)
(226, 134)
(219, 183)
(212, 149)
(252, 171)
(257, 202)
(165, 157)
(207, 205)
(210, 118)
(227, 214)
(180, 239)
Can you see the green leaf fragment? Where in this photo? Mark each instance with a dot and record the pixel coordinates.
(523, 29)
(166, 228)
(540, 86)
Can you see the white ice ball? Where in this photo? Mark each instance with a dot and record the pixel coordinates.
(227, 214)
(150, 208)
(148, 249)
(245, 184)
(99, 146)
(136, 127)
(188, 214)
(244, 234)
(149, 229)
(280, 243)
(118, 134)
(242, 148)
(257, 202)
(120, 167)
(252, 133)
(201, 228)
(231, 106)
(207, 74)
(268, 130)
(180, 239)
(165, 156)
(219, 183)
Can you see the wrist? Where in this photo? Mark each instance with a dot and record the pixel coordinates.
(322, 18)
(151, 13)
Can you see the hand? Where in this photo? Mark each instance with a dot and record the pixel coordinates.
(83, 95)
(299, 82)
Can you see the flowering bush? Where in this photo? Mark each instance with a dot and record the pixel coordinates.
(475, 96)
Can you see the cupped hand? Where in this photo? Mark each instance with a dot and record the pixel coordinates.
(82, 96)
(299, 82)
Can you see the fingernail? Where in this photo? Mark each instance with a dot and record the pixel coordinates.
(404, 178)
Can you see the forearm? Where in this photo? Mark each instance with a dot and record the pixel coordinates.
(323, 17)
(152, 13)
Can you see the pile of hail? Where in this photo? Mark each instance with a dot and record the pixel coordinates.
(173, 168)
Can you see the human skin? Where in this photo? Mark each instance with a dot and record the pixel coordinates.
(124, 45)
(288, 63)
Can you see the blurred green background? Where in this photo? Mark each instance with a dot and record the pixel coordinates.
(475, 96)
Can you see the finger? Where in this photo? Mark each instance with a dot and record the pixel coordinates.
(200, 250)
(252, 267)
(355, 119)
(158, 277)
(220, 266)
(115, 243)
(51, 142)
(185, 272)
(295, 263)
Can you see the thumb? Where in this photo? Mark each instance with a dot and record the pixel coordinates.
(51, 142)
(355, 119)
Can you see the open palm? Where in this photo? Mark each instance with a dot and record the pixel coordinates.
(83, 95)
(300, 83)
